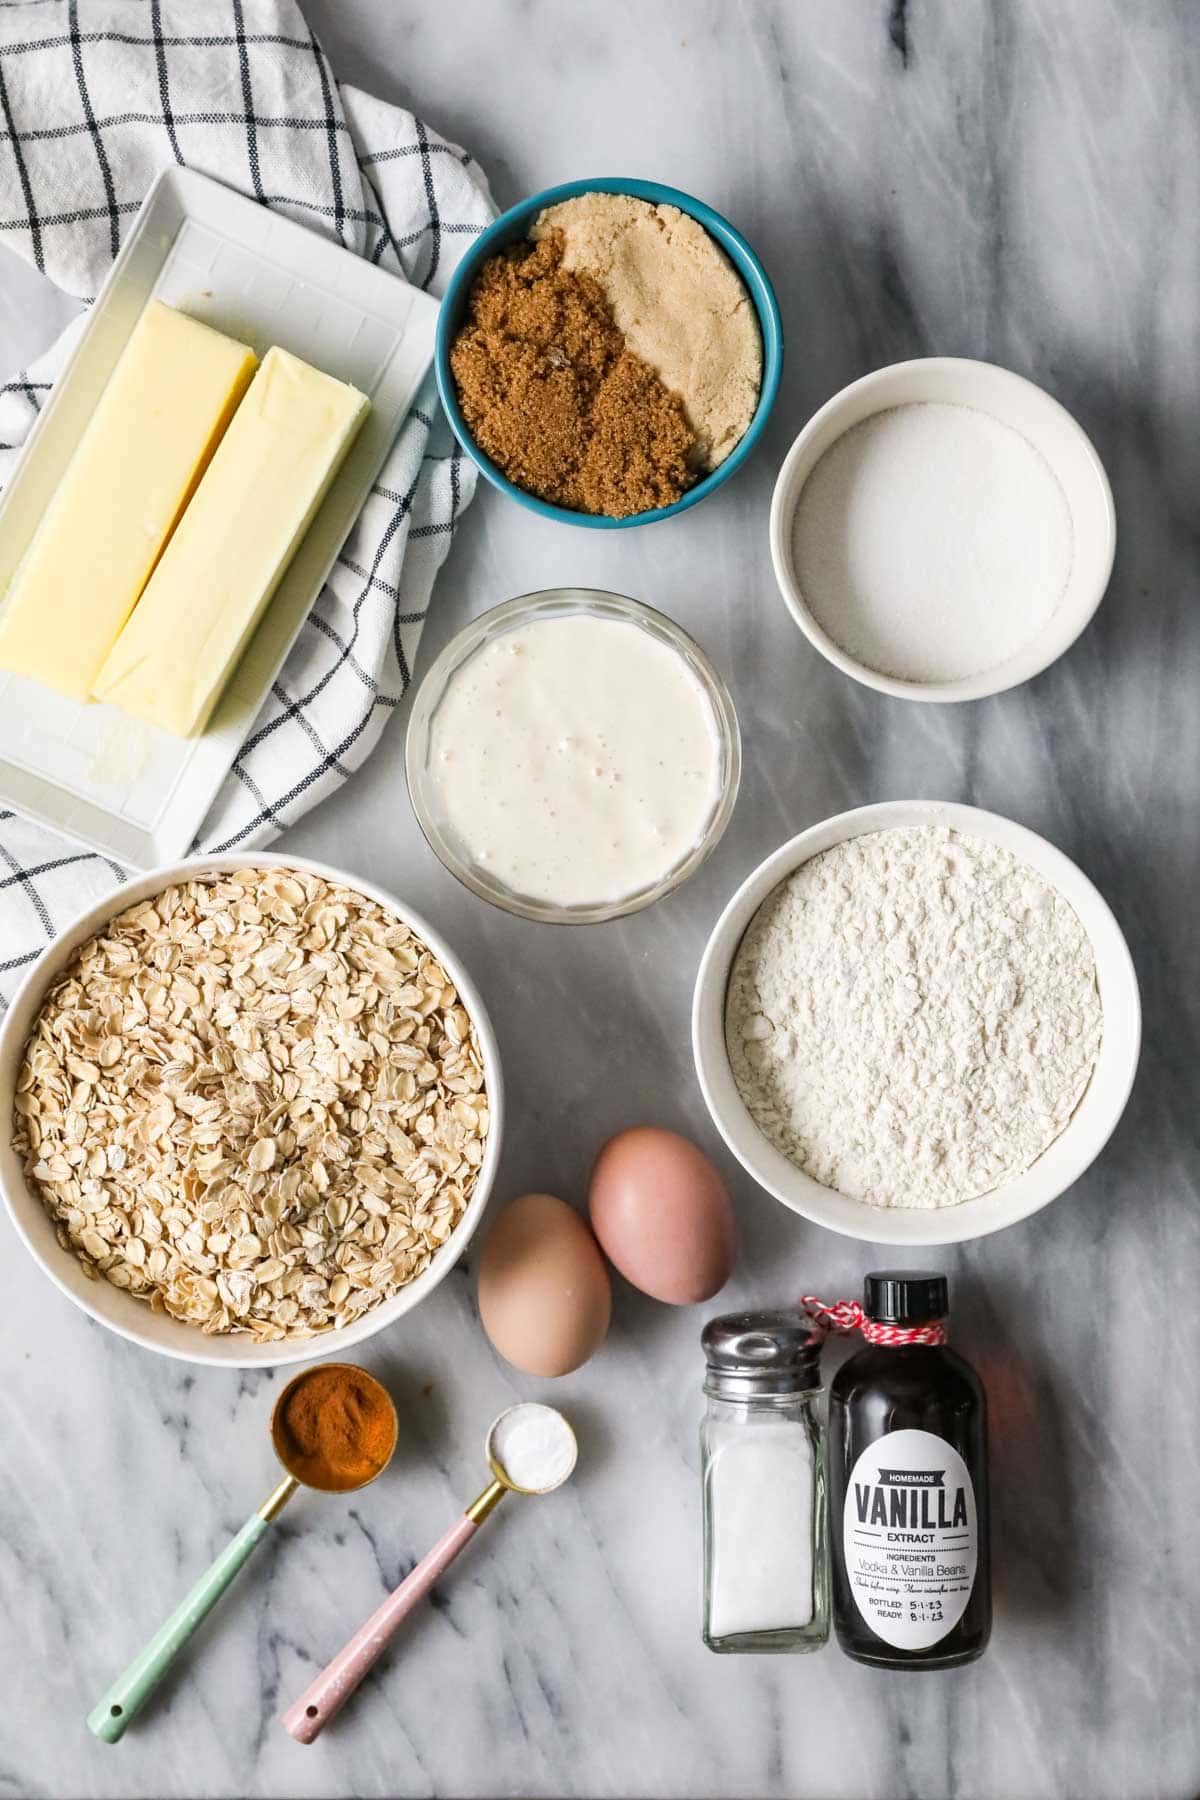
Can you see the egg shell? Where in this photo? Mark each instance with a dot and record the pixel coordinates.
(545, 1298)
(663, 1215)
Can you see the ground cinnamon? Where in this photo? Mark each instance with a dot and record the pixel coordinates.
(551, 393)
(336, 1428)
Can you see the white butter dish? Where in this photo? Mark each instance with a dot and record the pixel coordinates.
(89, 771)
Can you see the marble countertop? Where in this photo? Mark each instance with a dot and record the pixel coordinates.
(1013, 183)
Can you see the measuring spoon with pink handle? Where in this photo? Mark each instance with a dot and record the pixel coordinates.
(531, 1449)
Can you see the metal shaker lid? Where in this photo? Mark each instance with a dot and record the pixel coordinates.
(759, 1353)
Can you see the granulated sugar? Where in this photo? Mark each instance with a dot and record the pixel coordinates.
(932, 542)
(913, 1017)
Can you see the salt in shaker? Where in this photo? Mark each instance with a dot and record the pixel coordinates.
(766, 1576)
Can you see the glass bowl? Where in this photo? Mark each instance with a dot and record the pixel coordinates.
(446, 842)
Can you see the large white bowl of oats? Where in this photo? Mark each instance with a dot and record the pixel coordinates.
(250, 1110)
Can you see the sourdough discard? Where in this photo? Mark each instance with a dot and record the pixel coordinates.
(913, 1017)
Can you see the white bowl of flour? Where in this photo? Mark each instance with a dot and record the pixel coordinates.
(942, 530)
(916, 1023)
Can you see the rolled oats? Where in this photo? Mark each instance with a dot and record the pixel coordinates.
(255, 1102)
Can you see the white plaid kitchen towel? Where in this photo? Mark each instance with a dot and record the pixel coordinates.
(96, 96)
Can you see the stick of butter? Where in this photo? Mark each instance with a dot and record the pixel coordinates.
(234, 542)
(158, 421)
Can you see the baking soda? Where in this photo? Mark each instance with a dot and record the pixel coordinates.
(932, 542)
(534, 1446)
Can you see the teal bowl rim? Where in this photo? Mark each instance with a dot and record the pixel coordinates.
(505, 230)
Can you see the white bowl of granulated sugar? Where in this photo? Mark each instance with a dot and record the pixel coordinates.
(916, 1023)
(942, 529)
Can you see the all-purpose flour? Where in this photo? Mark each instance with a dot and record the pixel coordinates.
(913, 1017)
(932, 542)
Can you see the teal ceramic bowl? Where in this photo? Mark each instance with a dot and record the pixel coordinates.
(516, 224)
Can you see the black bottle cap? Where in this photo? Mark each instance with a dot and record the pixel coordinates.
(905, 1296)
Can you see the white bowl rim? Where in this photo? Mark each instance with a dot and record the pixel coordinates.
(1061, 1164)
(1058, 634)
(233, 1350)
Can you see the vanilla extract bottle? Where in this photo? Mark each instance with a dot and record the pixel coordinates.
(909, 1485)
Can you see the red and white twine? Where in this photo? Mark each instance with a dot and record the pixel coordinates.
(847, 1315)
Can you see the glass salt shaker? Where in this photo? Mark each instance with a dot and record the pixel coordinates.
(766, 1559)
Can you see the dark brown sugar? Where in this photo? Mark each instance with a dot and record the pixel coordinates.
(552, 395)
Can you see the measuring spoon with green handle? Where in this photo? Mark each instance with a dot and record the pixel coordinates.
(111, 1715)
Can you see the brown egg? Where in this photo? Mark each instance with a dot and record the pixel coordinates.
(662, 1215)
(544, 1293)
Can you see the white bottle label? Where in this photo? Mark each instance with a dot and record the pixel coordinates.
(910, 1532)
